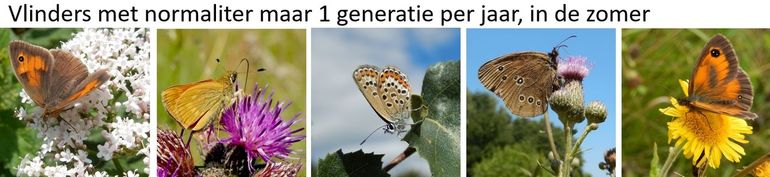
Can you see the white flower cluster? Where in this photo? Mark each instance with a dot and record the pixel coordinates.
(118, 110)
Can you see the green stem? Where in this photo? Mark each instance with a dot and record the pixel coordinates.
(583, 136)
(567, 163)
(753, 165)
(549, 132)
(673, 153)
(118, 166)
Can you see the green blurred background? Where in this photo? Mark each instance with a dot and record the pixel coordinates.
(653, 62)
(501, 145)
(190, 55)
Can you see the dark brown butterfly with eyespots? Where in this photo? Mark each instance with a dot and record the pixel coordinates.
(524, 80)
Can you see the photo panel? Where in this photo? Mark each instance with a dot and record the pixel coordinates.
(538, 98)
(386, 102)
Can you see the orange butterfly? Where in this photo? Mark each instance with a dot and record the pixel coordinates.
(53, 79)
(718, 83)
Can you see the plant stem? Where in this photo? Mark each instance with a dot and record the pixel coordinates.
(549, 132)
(673, 153)
(401, 157)
(753, 165)
(567, 162)
(583, 136)
(118, 166)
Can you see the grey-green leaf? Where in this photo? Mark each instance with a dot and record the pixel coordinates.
(437, 136)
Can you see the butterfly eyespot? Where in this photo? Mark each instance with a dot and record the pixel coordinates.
(505, 78)
(385, 89)
(538, 102)
(392, 94)
(21, 58)
(389, 105)
(403, 91)
(740, 96)
(385, 97)
(520, 81)
(407, 98)
(521, 98)
(530, 100)
(374, 93)
(365, 87)
(715, 53)
(500, 68)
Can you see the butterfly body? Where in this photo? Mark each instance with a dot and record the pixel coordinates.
(388, 93)
(196, 105)
(718, 83)
(524, 80)
(53, 79)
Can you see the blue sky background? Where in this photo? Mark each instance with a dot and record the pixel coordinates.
(341, 115)
(598, 45)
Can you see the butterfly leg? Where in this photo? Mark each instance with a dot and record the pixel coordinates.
(707, 119)
(189, 138)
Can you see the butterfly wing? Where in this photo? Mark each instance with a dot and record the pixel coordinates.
(70, 81)
(719, 84)
(31, 64)
(396, 92)
(367, 80)
(196, 105)
(523, 80)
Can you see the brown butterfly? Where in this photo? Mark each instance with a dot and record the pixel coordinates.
(524, 80)
(53, 79)
(718, 83)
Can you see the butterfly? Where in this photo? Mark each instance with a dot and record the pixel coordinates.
(196, 105)
(524, 80)
(388, 93)
(718, 83)
(53, 79)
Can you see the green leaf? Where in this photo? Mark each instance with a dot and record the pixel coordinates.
(437, 136)
(419, 109)
(655, 163)
(441, 92)
(352, 164)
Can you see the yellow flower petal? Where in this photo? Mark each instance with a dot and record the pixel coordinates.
(706, 133)
(685, 87)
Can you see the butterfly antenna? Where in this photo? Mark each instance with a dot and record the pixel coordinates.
(561, 44)
(565, 40)
(370, 134)
(247, 70)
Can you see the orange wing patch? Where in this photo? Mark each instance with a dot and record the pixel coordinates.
(87, 89)
(31, 67)
(394, 75)
(710, 72)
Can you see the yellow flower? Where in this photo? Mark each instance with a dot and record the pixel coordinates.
(763, 170)
(702, 132)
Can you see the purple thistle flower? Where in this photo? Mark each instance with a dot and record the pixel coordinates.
(256, 125)
(283, 169)
(573, 68)
(174, 158)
